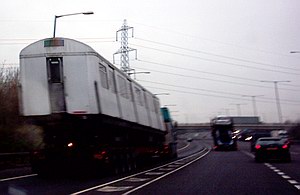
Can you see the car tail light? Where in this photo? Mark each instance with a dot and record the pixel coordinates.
(257, 146)
(285, 146)
(70, 145)
(100, 155)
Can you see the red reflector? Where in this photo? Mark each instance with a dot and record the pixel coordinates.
(257, 146)
(285, 146)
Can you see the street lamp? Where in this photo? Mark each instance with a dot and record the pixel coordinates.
(294, 51)
(277, 97)
(253, 102)
(167, 105)
(55, 17)
(134, 73)
(161, 94)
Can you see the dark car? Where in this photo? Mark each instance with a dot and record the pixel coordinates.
(271, 148)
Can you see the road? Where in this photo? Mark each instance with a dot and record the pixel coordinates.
(198, 171)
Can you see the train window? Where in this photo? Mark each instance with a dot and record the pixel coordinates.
(139, 96)
(150, 102)
(129, 91)
(156, 105)
(103, 76)
(55, 70)
(122, 87)
(145, 99)
(111, 80)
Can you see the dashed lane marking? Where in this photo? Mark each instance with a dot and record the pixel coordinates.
(293, 181)
(279, 172)
(112, 185)
(155, 173)
(286, 177)
(19, 177)
(136, 179)
(114, 188)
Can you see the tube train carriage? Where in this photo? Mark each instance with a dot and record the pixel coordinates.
(84, 102)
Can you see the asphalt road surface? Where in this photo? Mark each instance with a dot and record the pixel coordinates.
(197, 171)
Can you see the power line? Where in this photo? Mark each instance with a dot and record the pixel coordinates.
(217, 55)
(217, 61)
(209, 95)
(216, 41)
(209, 79)
(219, 92)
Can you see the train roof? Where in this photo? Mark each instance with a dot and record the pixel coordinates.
(66, 46)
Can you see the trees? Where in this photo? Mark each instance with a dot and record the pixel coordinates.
(15, 135)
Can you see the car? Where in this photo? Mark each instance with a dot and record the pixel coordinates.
(272, 148)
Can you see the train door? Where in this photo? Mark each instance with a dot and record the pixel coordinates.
(56, 84)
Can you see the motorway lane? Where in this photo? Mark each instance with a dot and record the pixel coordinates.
(219, 172)
(36, 185)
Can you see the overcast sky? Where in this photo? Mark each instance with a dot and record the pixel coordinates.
(206, 54)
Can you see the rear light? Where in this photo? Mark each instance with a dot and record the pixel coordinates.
(70, 145)
(257, 146)
(100, 155)
(285, 146)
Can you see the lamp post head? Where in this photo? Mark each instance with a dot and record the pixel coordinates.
(87, 13)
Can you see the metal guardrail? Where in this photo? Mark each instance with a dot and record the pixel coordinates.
(13, 160)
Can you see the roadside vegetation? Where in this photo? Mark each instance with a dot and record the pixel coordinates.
(15, 135)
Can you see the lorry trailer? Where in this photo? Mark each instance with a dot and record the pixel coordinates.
(92, 114)
(222, 129)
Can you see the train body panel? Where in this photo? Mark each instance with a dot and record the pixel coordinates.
(37, 86)
(89, 110)
(65, 76)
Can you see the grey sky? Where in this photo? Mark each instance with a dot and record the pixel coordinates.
(205, 53)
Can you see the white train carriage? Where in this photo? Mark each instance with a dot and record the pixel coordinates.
(60, 75)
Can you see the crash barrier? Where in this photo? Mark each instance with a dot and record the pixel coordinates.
(13, 160)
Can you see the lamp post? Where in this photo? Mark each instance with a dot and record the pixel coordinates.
(238, 107)
(161, 94)
(134, 73)
(55, 17)
(253, 102)
(167, 105)
(277, 97)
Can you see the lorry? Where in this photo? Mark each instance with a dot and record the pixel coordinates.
(93, 115)
(222, 129)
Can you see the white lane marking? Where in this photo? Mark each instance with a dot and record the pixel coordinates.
(184, 147)
(114, 188)
(137, 179)
(293, 181)
(248, 154)
(155, 173)
(124, 178)
(19, 177)
(286, 177)
(165, 169)
(277, 171)
(165, 175)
